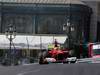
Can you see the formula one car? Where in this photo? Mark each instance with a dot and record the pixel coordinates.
(56, 56)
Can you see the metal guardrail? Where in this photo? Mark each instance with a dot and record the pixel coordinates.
(89, 60)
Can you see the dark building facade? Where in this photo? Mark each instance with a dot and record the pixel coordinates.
(42, 18)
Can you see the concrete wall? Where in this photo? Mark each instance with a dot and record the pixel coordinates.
(98, 12)
(93, 26)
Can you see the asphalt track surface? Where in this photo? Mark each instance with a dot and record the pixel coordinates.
(52, 69)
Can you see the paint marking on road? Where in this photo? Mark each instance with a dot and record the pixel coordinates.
(30, 64)
(33, 71)
(28, 72)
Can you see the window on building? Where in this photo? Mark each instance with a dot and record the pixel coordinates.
(23, 23)
(50, 24)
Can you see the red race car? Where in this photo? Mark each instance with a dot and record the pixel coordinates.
(54, 56)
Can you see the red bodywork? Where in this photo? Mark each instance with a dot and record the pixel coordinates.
(56, 53)
(59, 55)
